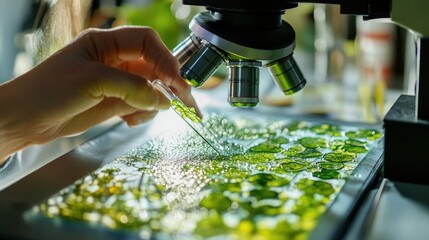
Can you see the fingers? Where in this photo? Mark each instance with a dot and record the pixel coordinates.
(126, 44)
(139, 117)
(141, 68)
(104, 110)
(132, 89)
(139, 50)
(183, 92)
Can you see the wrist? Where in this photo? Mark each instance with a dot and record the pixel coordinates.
(9, 146)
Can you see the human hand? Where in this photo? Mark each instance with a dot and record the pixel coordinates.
(102, 73)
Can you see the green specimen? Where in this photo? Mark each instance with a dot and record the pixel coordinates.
(173, 187)
(185, 111)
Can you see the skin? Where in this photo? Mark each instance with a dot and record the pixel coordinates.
(100, 74)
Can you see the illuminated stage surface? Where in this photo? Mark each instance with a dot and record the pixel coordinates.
(287, 177)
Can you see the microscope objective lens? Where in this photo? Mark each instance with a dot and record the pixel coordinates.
(201, 65)
(243, 83)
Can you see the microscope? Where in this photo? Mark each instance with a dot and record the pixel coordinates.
(247, 35)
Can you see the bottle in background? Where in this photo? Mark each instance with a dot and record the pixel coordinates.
(375, 59)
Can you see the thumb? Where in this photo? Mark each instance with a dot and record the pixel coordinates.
(130, 88)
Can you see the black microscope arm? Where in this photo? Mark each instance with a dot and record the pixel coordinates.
(368, 8)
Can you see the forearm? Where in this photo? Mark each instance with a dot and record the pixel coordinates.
(11, 137)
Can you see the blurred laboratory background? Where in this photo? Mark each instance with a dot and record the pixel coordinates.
(355, 69)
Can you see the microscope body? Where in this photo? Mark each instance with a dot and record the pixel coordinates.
(247, 35)
(407, 122)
